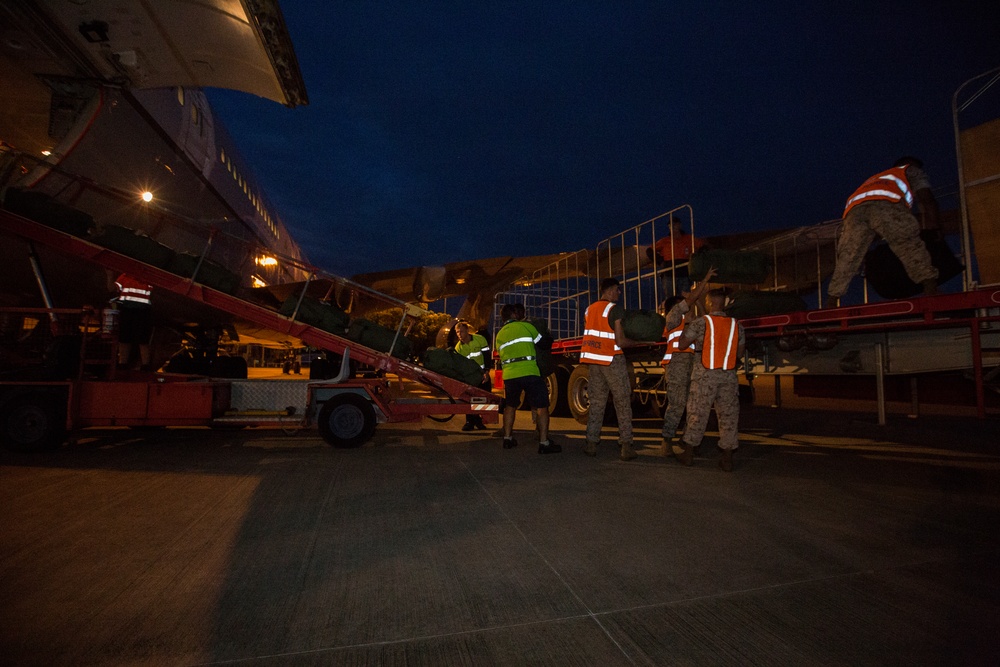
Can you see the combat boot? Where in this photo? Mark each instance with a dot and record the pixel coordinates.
(664, 449)
(686, 455)
(627, 453)
(726, 460)
(590, 449)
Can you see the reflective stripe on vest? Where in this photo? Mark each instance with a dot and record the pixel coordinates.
(475, 354)
(517, 353)
(479, 356)
(889, 185)
(516, 359)
(673, 338)
(132, 291)
(514, 341)
(720, 346)
(598, 345)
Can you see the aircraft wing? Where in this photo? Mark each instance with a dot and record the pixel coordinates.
(430, 283)
(211, 43)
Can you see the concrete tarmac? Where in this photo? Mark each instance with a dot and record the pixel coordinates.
(833, 542)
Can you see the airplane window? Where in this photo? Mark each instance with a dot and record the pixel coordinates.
(222, 155)
(180, 95)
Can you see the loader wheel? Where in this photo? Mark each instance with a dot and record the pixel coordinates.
(576, 393)
(347, 420)
(33, 424)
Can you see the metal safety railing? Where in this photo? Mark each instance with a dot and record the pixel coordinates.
(648, 258)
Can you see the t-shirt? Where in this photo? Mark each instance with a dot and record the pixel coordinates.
(682, 246)
(517, 340)
(476, 349)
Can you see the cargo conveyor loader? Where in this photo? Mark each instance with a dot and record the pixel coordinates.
(36, 414)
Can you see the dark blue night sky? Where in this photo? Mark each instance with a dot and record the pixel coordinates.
(448, 131)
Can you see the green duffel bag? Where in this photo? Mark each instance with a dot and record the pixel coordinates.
(378, 337)
(48, 211)
(749, 267)
(210, 273)
(644, 325)
(761, 304)
(450, 363)
(317, 313)
(135, 245)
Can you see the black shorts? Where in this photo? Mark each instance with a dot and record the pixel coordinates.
(535, 390)
(135, 324)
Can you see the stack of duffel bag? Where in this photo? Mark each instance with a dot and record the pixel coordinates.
(761, 304)
(746, 267)
(643, 325)
(136, 245)
(49, 211)
(377, 337)
(446, 361)
(316, 313)
(211, 274)
(887, 275)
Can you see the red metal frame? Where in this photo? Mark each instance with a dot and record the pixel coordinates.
(929, 310)
(957, 310)
(465, 398)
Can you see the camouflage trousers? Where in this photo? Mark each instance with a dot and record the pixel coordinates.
(603, 380)
(719, 388)
(678, 382)
(894, 223)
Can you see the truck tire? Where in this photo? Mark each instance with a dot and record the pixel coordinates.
(552, 385)
(576, 393)
(558, 388)
(347, 420)
(33, 424)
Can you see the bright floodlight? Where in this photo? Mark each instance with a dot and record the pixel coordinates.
(147, 196)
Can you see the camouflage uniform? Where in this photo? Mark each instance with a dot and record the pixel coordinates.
(678, 376)
(718, 387)
(601, 380)
(894, 222)
(678, 384)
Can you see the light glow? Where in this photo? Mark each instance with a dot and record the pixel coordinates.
(264, 260)
(147, 196)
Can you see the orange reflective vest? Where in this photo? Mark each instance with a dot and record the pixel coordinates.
(680, 247)
(673, 339)
(598, 345)
(889, 185)
(132, 291)
(721, 343)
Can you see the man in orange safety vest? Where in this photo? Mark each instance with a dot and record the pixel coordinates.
(713, 381)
